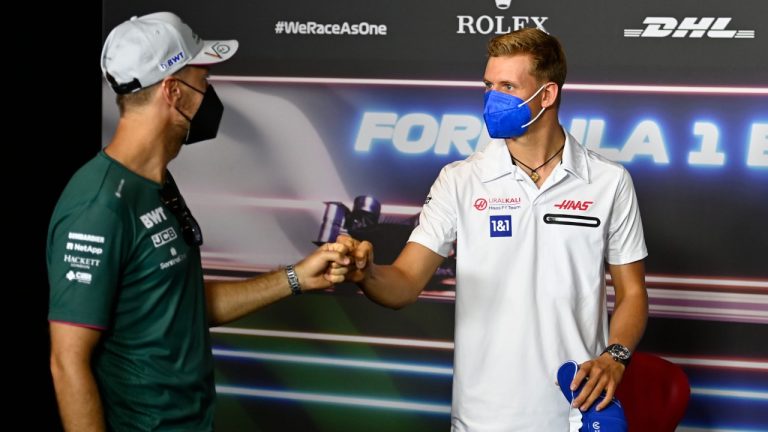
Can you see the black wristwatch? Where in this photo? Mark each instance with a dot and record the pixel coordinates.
(619, 352)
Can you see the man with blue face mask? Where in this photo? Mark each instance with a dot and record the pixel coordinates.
(536, 218)
(129, 309)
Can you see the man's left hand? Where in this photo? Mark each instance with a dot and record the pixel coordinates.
(604, 374)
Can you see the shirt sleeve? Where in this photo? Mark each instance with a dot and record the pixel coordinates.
(84, 262)
(626, 242)
(437, 222)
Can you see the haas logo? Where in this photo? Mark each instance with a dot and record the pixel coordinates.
(574, 205)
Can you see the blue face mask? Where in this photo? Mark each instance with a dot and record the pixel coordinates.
(508, 116)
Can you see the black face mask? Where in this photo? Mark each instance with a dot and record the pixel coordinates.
(205, 123)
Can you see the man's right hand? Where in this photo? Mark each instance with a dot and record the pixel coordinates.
(361, 254)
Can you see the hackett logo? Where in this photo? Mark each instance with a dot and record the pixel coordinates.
(574, 205)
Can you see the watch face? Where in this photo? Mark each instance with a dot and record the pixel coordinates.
(620, 351)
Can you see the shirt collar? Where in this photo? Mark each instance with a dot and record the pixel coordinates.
(496, 162)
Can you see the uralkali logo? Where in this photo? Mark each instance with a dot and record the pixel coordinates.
(689, 27)
(498, 24)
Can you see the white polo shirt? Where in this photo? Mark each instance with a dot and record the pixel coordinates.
(530, 286)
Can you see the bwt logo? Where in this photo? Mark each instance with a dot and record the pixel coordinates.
(171, 61)
(153, 218)
(690, 27)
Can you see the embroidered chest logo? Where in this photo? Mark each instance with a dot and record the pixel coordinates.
(574, 205)
(480, 204)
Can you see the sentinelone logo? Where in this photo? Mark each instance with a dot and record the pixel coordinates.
(333, 29)
(498, 24)
(689, 27)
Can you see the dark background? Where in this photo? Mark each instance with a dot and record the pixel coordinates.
(57, 114)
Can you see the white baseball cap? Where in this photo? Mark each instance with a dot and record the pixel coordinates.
(144, 50)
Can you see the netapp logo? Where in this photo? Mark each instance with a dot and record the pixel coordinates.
(690, 27)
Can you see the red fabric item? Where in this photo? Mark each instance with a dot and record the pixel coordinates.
(654, 394)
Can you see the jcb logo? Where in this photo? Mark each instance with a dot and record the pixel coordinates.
(690, 27)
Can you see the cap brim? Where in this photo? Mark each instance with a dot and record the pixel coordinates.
(215, 51)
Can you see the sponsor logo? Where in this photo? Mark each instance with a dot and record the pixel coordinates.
(219, 49)
(486, 24)
(84, 248)
(85, 237)
(333, 29)
(172, 261)
(480, 204)
(689, 27)
(80, 262)
(506, 200)
(84, 278)
(163, 237)
(504, 203)
(416, 133)
(503, 4)
(153, 218)
(574, 205)
(81, 277)
(501, 226)
(596, 425)
(450, 135)
(170, 61)
(498, 24)
(119, 190)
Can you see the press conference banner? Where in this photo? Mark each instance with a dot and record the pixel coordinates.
(337, 107)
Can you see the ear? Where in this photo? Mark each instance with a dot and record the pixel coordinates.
(170, 91)
(550, 92)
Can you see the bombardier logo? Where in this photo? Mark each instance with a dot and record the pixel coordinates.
(84, 248)
(689, 27)
(574, 205)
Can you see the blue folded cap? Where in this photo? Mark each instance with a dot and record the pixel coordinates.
(609, 419)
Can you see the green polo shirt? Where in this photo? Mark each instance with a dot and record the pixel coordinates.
(117, 262)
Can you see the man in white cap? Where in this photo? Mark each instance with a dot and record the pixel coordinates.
(129, 310)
